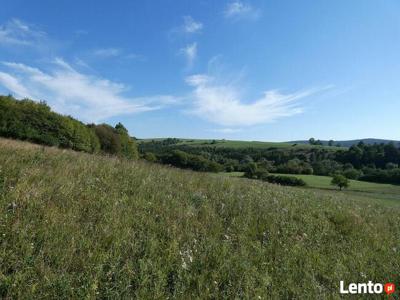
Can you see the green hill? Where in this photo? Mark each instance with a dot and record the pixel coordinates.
(349, 143)
(76, 225)
(240, 144)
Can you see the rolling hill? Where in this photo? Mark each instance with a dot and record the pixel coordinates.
(78, 225)
(349, 143)
(238, 144)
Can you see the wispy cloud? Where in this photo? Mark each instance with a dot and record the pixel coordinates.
(227, 130)
(13, 85)
(240, 10)
(190, 53)
(190, 25)
(17, 33)
(107, 52)
(68, 91)
(222, 104)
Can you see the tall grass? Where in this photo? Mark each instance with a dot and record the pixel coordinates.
(75, 225)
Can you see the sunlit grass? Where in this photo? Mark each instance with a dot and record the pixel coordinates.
(75, 225)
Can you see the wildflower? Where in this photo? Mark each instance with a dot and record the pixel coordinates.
(187, 258)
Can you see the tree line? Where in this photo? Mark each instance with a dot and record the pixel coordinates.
(375, 163)
(35, 122)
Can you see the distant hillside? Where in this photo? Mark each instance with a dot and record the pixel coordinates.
(233, 144)
(369, 141)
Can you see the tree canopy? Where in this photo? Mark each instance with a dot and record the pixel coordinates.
(34, 121)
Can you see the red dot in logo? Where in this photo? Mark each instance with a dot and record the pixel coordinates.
(389, 288)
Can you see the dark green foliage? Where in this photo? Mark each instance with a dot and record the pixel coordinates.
(128, 145)
(352, 173)
(32, 121)
(377, 163)
(184, 160)
(253, 172)
(285, 180)
(314, 142)
(149, 156)
(381, 176)
(116, 141)
(35, 122)
(250, 170)
(295, 166)
(110, 141)
(340, 181)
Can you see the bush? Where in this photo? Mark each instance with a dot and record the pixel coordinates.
(150, 156)
(250, 170)
(382, 176)
(194, 162)
(352, 173)
(285, 180)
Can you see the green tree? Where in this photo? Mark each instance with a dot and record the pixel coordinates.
(250, 170)
(129, 147)
(150, 156)
(340, 181)
(109, 138)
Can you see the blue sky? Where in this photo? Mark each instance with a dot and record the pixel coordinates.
(246, 70)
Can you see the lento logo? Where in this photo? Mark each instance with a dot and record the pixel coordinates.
(367, 288)
(389, 288)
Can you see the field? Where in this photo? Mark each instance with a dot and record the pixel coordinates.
(75, 225)
(241, 144)
(358, 189)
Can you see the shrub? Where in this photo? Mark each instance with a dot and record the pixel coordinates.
(285, 180)
(352, 173)
(250, 170)
(194, 162)
(150, 156)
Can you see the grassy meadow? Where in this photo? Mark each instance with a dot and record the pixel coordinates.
(75, 225)
(241, 144)
(384, 193)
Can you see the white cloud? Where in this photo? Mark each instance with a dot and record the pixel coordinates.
(190, 53)
(68, 91)
(238, 10)
(190, 25)
(107, 52)
(221, 103)
(227, 130)
(12, 84)
(17, 33)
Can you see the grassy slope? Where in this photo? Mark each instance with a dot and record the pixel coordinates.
(241, 144)
(357, 189)
(74, 225)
